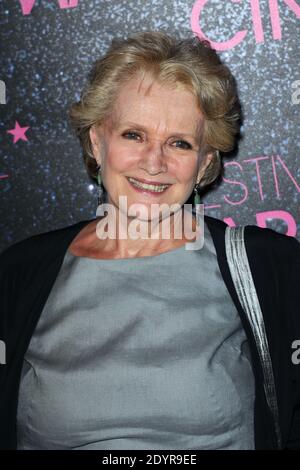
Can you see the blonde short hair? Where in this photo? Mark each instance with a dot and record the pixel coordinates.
(190, 62)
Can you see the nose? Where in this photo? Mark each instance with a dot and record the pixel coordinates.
(154, 158)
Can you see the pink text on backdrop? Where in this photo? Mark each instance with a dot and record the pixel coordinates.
(272, 165)
(27, 5)
(271, 172)
(256, 20)
(263, 217)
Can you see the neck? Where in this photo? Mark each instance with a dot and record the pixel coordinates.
(128, 236)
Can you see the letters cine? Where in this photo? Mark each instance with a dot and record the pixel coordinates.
(239, 36)
(196, 19)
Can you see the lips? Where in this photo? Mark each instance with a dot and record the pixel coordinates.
(146, 188)
(156, 183)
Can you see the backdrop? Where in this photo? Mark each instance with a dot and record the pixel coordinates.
(48, 47)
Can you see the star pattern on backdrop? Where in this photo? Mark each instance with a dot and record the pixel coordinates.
(18, 132)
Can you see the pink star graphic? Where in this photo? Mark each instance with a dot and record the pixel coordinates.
(18, 132)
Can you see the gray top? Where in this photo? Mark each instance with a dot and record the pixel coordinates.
(138, 353)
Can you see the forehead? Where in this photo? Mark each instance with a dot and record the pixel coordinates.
(157, 105)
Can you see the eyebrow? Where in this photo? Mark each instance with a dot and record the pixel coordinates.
(142, 128)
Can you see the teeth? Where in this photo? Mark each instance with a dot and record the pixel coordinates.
(150, 187)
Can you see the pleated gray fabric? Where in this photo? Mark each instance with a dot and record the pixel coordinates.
(141, 353)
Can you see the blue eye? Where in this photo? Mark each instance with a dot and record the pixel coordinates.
(130, 135)
(184, 145)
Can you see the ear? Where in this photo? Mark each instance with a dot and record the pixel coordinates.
(207, 159)
(95, 143)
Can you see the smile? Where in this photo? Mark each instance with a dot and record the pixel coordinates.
(149, 188)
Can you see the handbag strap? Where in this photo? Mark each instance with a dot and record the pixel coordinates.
(244, 285)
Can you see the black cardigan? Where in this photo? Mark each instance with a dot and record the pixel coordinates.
(28, 270)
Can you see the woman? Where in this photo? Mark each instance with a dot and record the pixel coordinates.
(135, 342)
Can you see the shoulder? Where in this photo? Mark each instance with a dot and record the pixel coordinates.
(260, 242)
(268, 241)
(258, 236)
(274, 258)
(36, 247)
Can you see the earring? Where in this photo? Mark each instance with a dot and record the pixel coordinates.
(198, 207)
(100, 188)
(197, 199)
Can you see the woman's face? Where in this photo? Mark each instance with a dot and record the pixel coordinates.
(151, 136)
